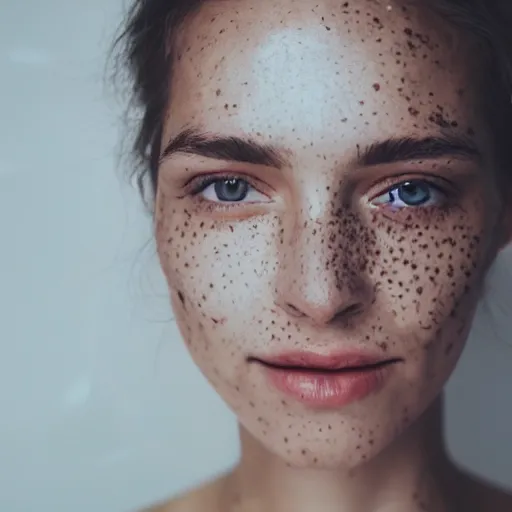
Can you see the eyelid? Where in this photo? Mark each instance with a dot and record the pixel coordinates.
(432, 180)
(198, 184)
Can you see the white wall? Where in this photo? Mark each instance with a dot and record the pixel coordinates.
(101, 408)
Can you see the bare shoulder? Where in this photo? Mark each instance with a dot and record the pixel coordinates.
(204, 497)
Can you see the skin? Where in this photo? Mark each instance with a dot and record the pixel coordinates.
(318, 256)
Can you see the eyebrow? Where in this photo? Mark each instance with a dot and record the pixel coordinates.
(231, 148)
(427, 148)
(246, 150)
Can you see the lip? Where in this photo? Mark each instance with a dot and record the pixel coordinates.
(327, 381)
(335, 361)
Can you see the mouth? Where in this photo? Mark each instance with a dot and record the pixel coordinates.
(319, 363)
(326, 369)
(326, 381)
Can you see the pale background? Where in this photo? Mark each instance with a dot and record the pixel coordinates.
(101, 407)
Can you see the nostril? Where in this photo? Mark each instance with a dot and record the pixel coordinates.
(352, 309)
(292, 310)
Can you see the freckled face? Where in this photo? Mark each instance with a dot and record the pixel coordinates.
(329, 252)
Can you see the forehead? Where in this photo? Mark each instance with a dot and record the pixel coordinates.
(377, 66)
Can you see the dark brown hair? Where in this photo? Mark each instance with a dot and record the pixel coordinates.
(147, 45)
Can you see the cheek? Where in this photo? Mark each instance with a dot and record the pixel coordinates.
(429, 274)
(218, 277)
(219, 264)
(210, 342)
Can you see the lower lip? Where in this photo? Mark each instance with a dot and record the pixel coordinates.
(328, 389)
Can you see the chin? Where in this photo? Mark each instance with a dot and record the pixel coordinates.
(328, 458)
(341, 445)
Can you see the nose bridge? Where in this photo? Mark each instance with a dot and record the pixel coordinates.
(319, 276)
(317, 254)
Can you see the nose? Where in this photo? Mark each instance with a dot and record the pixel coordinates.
(321, 275)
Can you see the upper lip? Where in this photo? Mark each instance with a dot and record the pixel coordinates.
(335, 361)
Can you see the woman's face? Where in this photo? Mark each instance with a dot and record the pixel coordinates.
(367, 228)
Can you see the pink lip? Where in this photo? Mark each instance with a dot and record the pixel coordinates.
(324, 362)
(331, 381)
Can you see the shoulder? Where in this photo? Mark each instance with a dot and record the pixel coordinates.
(195, 500)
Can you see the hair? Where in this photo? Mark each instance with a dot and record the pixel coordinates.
(148, 49)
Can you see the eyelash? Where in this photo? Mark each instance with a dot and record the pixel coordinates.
(196, 186)
(200, 184)
(394, 185)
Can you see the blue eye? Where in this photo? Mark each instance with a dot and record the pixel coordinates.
(231, 189)
(228, 189)
(412, 193)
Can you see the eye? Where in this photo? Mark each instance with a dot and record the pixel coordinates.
(227, 189)
(412, 193)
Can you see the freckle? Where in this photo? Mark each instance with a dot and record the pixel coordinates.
(303, 452)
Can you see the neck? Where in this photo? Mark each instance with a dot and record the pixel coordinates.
(413, 474)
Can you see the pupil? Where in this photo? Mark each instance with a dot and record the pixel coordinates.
(414, 193)
(231, 190)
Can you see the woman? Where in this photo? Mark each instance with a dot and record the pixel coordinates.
(331, 183)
